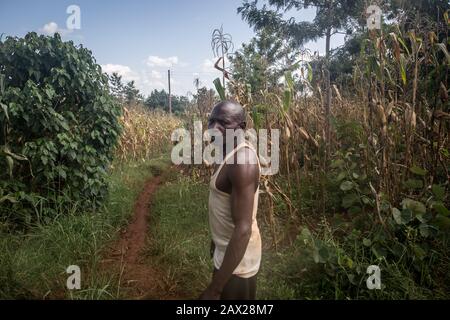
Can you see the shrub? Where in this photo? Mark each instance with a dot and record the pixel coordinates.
(59, 126)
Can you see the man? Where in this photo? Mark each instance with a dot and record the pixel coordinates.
(233, 203)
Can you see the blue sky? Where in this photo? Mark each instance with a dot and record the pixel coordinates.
(141, 40)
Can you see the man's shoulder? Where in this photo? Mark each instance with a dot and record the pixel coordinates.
(246, 156)
(245, 168)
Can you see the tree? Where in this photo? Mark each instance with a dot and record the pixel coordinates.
(262, 62)
(332, 17)
(432, 9)
(131, 93)
(158, 100)
(116, 85)
(59, 125)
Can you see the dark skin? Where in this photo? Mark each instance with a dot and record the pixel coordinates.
(240, 181)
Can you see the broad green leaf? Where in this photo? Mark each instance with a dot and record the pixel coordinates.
(403, 45)
(415, 206)
(346, 186)
(310, 73)
(219, 88)
(5, 110)
(403, 69)
(397, 215)
(321, 255)
(367, 242)
(305, 235)
(349, 200)
(440, 208)
(349, 262)
(289, 80)
(427, 230)
(287, 99)
(438, 191)
(419, 252)
(10, 163)
(337, 163)
(424, 218)
(442, 222)
(341, 176)
(418, 171)
(366, 200)
(402, 217)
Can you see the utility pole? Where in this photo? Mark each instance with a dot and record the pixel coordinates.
(170, 96)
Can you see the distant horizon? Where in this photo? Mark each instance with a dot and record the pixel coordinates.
(141, 40)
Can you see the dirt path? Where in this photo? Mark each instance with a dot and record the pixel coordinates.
(139, 280)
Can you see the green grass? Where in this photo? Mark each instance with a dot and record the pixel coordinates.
(180, 242)
(33, 265)
(180, 235)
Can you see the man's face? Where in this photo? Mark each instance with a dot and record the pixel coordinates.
(222, 120)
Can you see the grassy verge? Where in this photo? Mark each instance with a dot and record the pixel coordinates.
(180, 235)
(180, 242)
(33, 265)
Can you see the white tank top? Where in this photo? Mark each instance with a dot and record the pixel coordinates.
(222, 226)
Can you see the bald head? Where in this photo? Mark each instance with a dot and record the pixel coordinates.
(231, 110)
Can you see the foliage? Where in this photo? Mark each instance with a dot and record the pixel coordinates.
(331, 18)
(375, 188)
(124, 93)
(262, 62)
(59, 125)
(160, 100)
(33, 264)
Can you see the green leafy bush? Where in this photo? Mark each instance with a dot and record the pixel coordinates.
(59, 126)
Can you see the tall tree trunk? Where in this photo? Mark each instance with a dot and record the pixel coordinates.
(328, 92)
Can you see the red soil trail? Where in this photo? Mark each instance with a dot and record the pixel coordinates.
(138, 279)
(133, 239)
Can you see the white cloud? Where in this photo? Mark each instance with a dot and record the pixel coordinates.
(146, 81)
(208, 65)
(153, 75)
(156, 74)
(155, 61)
(149, 84)
(52, 27)
(124, 71)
